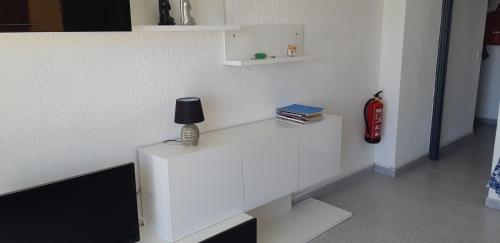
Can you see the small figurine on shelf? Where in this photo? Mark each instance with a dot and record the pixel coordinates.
(186, 17)
(292, 50)
(165, 18)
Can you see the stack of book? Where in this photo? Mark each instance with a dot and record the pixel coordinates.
(300, 113)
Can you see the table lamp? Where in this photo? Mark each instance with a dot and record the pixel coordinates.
(188, 111)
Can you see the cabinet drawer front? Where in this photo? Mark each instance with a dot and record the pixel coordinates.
(205, 188)
(270, 168)
(320, 151)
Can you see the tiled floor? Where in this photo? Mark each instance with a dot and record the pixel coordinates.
(436, 202)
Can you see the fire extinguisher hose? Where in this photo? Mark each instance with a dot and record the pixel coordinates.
(366, 115)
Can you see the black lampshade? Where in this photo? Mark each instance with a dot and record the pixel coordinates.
(189, 111)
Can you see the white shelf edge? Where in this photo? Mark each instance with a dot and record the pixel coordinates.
(251, 62)
(183, 28)
(148, 235)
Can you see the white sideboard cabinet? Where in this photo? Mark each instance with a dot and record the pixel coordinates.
(320, 151)
(234, 170)
(270, 168)
(184, 194)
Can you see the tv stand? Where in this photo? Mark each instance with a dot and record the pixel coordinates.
(250, 169)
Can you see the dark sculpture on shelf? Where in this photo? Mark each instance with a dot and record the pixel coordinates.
(165, 18)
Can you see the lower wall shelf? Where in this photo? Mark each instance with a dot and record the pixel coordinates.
(252, 62)
(306, 221)
(183, 28)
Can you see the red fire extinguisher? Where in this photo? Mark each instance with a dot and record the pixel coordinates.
(374, 112)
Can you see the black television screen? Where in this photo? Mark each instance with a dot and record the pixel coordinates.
(64, 15)
(96, 208)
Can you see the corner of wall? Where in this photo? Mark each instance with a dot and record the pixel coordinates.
(420, 51)
(391, 57)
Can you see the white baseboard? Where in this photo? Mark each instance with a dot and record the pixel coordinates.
(385, 171)
(486, 121)
(395, 172)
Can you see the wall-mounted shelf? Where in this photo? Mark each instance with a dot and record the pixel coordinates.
(241, 45)
(253, 62)
(184, 28)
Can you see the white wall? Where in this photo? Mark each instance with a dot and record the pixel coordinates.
(464, 65)
(419, 70)
(390, 78)
(408, 79)
(421, 43)
(72, 103)
(407, 130)
(489, 85)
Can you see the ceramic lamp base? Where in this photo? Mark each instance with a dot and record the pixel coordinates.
(190, 135)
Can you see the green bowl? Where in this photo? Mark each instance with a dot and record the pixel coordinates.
(260, 56)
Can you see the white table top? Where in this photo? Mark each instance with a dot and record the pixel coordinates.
(217, 138)
(220, 137)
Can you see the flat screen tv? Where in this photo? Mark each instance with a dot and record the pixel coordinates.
(64, 15)
(96, 208)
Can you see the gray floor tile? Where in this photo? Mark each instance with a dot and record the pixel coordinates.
(435, 202)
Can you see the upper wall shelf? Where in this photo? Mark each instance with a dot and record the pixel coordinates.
(184, 28)
(241, 45)
(253, 62)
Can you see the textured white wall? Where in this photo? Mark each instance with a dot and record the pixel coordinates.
(464, 65)
(421, 42)
(75, 102)
(489, 85)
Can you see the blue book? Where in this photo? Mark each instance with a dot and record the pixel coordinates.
(301, 110)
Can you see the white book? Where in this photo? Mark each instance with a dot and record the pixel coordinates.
(291, 119)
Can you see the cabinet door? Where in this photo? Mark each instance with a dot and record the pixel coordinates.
(320, 151)
(205, 188)
(270, 168)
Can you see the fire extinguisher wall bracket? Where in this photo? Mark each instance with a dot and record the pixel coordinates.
(373, 113)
